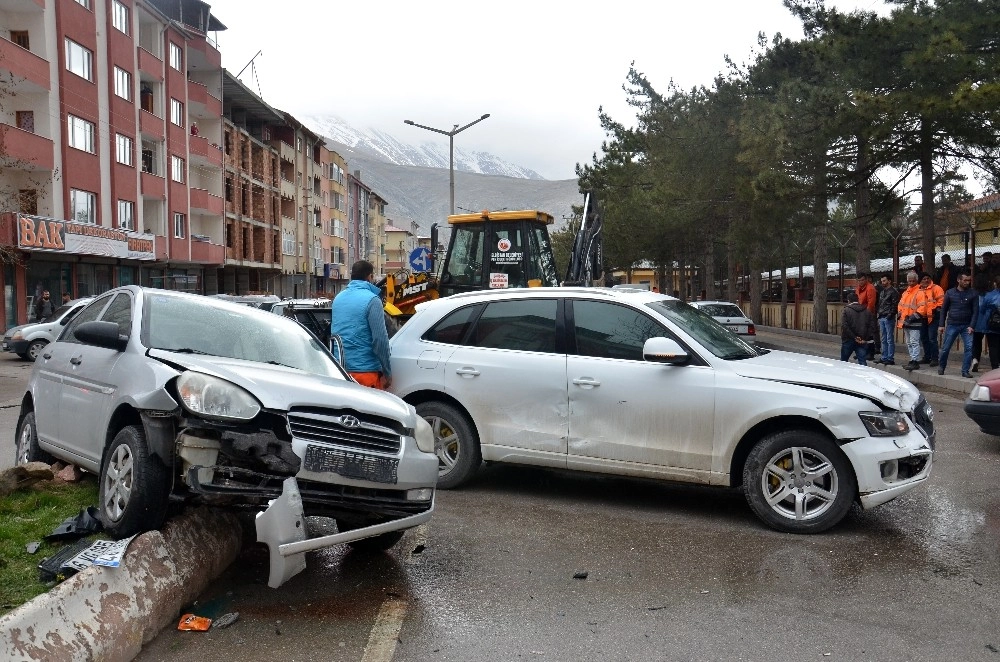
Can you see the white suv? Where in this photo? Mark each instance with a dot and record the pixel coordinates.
(641, 384)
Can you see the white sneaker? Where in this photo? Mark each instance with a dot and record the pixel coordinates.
(975, 365)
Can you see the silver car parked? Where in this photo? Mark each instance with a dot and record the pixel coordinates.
(168, 394)
(640, 384)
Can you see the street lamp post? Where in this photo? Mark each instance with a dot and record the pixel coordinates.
(451, 148)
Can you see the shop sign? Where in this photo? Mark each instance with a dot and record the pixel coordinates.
(36, 233)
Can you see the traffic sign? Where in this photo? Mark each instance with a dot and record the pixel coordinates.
(420, 259)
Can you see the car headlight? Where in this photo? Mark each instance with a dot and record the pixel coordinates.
(424, 435)
(212, 397)
(17, 336)
(980, 393)
(885, 423)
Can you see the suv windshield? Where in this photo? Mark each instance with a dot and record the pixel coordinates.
(180, 323)
(710, 334)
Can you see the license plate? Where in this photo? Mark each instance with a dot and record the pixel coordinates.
(5, 346)
(351, 465)
(737, 328)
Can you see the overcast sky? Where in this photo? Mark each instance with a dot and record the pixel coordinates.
(541, 68)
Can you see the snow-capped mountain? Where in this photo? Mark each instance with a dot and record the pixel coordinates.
(429, 153)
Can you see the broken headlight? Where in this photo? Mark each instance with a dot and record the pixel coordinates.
(212, 397)
(885, 423)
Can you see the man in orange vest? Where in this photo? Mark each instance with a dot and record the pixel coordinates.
(934, 299)
(911, 318)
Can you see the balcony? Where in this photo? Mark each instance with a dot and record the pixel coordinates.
(205, 201)
(31, 73)
(203, 104)
(152, 186)
(151, 125)
(205, 154)
(150, 63)
(286, 151)
(32, 151)
(287, 189)
(205, 252)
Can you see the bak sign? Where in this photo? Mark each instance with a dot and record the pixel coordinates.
(35, 233)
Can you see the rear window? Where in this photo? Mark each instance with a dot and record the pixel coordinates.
(722, 310)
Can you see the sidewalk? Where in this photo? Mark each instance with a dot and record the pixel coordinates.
(827, 345)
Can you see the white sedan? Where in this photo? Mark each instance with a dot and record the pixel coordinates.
(641, 384)
(730, 316)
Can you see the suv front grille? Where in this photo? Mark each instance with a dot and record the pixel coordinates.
(344, 428)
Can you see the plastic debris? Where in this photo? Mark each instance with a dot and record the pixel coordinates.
(85, 523)
(580, 575)
(194, 623)
(32, 547)
(226, 620)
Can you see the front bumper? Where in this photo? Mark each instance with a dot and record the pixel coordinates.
(887, 467)
(16, 346)
(984, 414)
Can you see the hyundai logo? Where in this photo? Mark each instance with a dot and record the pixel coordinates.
(350, 422)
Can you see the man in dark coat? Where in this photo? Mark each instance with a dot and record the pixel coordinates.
(857, 330)
(888, 303)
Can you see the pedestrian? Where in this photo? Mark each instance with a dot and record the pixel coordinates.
(358, 318)
(911, 318)
(857, 330)
(982, 280)
(868, 297)
(44, 307)
(888, 306)
(990, 303)
(947, 274)
(65, 297)
(959, 312)
(934, 299)
(918, 265)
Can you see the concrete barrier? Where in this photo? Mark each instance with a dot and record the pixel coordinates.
(109, 613)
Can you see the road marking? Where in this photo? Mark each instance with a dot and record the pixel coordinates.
(385, 633)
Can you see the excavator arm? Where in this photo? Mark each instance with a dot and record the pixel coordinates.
(586, 262)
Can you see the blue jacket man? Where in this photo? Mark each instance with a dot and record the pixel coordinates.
(357, 317)
(959, 312)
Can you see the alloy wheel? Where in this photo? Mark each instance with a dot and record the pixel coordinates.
(800, 483)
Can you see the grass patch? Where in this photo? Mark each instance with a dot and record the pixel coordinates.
(28, 516)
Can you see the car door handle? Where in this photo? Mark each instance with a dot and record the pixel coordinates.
(467, 372)
(76, 360)
(587, 382)
(46, 356)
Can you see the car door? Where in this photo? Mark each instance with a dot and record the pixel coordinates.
(627, 414)
(88, 385)
(510, 374)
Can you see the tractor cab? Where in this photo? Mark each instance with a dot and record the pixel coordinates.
(496, 250)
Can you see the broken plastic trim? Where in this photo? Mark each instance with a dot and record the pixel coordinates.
(282, 527)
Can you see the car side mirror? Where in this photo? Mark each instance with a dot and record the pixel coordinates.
(101, 334)
(664, 350)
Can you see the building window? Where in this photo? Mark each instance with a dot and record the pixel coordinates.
(126, 214)
(124, 149)
(179, 227)
(83, 206)
(123, 84)
(85, 3)
(81, 134)
(119, 16)
(177, 169)
(78, 59)
(177, 112)
(21, 38)
(176, 58)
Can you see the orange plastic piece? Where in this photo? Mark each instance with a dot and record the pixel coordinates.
(196, 623)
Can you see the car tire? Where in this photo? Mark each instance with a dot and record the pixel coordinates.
(455, 443)
(799, 481)
(379, 543)
(26, 449)
(35, 349)
(134, 486)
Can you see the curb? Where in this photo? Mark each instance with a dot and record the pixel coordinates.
(109, 613)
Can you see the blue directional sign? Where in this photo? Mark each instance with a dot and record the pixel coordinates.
(420, 259)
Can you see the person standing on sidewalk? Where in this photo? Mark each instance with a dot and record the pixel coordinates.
(934, 296)
(888, 307)
(357, 317)
(911, 318)
(988, 302)
(857, 330)
(959, 312)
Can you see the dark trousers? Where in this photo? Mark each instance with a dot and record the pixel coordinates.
(860, 350)
(993, 344)
(928, 338)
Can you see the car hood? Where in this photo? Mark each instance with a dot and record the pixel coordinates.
(280, 388)
(12, 330)
(831, 375)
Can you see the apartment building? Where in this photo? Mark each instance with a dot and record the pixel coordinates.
(110, 134)
(337, 271)
(399, 243)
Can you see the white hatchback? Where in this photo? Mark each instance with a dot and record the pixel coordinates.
(641, 384)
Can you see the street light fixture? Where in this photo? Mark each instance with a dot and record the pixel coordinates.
(451, 148)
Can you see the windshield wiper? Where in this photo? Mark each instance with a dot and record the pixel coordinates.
(186, 350)
(283, 365)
